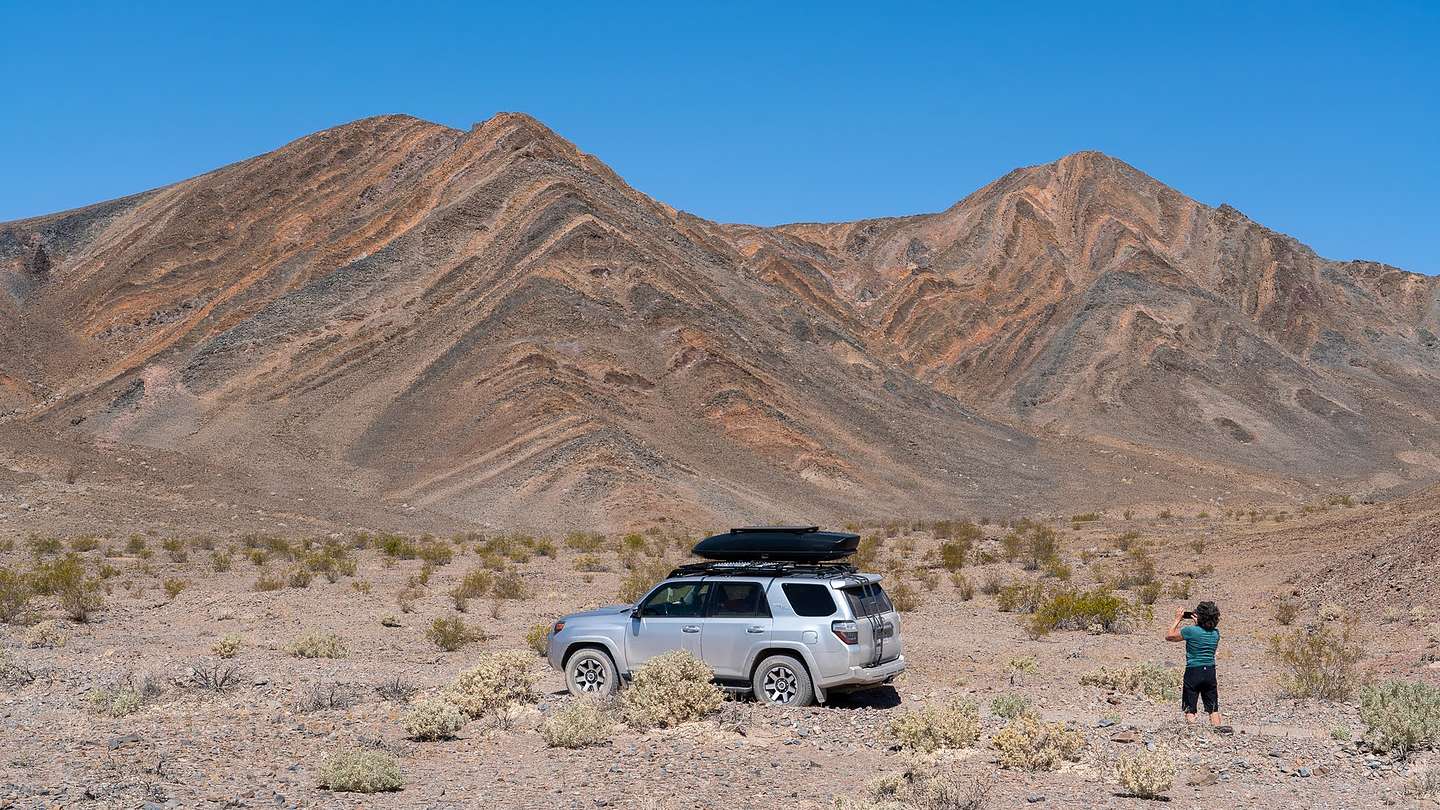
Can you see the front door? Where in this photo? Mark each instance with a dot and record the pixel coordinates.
(670, 618)
(738, 621)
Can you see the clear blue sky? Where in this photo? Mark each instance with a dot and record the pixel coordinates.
(1317, 119)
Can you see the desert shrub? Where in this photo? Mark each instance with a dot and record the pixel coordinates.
(1020, 597)
(1319, 662)
(397, 546)
(579, 724)
(1080, 610)
(638, 582)
(435, 553)
(1032, 744)
(538, 638)
(395, 689)
(510, 585)
(474, 585)
(1425, 784)
(929, 580)
(449, 633)
(1179, 589)
(1148, 593)
(319, 644)
(173, 587)
(267, 582)
(499, 679)
(1401, 716)
(175, 547)
(40, 545)
(214, 676)
(1157, 682)
(15, 595)
(407, 595)
(431, 719)
(1024, 665)
(1055, 567)
(953, 554)
(115, 701)
(587, 542)
(1034, 542)
(672, 688)
(49, 634)
(991, 585)
(78, 594)
(954, 724)
(1146, 773)
(963, 587)
(1286, 611)
(590, 563)
(923, 785)
(904, 597)
(12, 672)
(134, 544)
(361, 771)
(1009, 706)
(221, 561)
(228, 646)
(867, 553)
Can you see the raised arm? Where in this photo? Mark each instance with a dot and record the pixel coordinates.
(1173, 634)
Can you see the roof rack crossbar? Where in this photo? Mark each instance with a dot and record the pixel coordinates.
(776, 568)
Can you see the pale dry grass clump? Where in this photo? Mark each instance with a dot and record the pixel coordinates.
(1146, 773)
(49, 634)
(433, 719)
(499, 679)
(319, 644)
(923, 785)
(228, 646)
(1031, 744)
(1154, 681)
(361, 771)
(115, 702)
(579, 724)
(955, 724)
(671, 689)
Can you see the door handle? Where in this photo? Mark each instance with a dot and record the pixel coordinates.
(755, 629)
(690, 628)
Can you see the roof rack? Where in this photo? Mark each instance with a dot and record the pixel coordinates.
(775, 529)
(767, 568)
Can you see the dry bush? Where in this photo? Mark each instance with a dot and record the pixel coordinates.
(904, 597)
(499, 679)
(1009, 706)
(221, 562)
(588, 542)
(991, 585)
(1019, 597)
(430, 719)
(361, 771)
(1147, 773)
(510, 585)
(49, 634)
(1157, 682)
(1401, 716)
(12, 672)
(672, 688)
(451, 634)
(954, 724)
(267, 582)
(590, 563)
(215, 676)
(538, 638)
(1024, 665)
(174, 587)
(319, 644)
(1032, 744)
(15, 595)
(579, 724)
(117, 701)
(322, 697)
(228, 646)
(923, 785)
(963, 587)
(1320, 662)
(407, 595)
(867, 553)
(1286, 611)
(395, 689)
(1425, 784)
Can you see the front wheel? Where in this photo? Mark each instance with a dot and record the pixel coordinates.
(591, 673)
(782, 681)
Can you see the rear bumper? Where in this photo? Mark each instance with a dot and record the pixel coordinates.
(867, 676)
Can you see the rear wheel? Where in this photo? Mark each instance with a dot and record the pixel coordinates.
(782, 681)
(590, 672)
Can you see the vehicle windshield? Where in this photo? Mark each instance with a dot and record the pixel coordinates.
(867, 600)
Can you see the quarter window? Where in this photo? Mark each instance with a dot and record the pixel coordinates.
(810, 600)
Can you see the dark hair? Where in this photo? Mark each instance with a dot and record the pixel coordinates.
(1207, 615)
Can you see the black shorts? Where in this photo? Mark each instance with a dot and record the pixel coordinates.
(1200, 683)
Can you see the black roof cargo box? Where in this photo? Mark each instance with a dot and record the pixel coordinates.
(790, 543)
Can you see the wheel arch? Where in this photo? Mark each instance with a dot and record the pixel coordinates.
(798, 652)
(603, 645)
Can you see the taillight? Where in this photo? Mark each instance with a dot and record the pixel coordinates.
(846, 631)
(560, 625)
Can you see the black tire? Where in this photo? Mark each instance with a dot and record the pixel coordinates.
(591, 673)
(782, 680)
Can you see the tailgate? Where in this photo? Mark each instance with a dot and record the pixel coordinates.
(878, 622)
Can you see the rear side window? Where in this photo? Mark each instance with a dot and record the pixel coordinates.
(868, 601)
(809, 600)
(738, 600)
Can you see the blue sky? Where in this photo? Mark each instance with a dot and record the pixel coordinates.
(1320, 120)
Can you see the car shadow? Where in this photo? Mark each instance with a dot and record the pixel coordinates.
(881, 697)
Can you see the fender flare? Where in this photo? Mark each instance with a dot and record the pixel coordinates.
(605, 642)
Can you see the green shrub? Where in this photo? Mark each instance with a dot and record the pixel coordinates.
(431, 719)
(953, 554)
(638, 582)
(955, 724)
(510, 585)
(361, 771)
(450, 633)
(499, 679)
(78, 594)
(579, 724)
(1031, 744)
(1154, 681)
(1319, 662)
(173, 587)
(1009, 706)
(672, 688)
(15, 595)
(1401, 716)
(1020, 597)
(538, 638)
(587, 542)
(115, 702)
(266, 582)
(318, 644)
(1081, 610)
(1146, 774)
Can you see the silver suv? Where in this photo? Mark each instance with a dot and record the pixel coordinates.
(789, 633)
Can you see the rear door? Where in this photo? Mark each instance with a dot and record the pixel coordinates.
(878, 621)
(670, 618)
(736, 622)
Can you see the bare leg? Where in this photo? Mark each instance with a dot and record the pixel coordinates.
(1189, 718)
(1215, 719)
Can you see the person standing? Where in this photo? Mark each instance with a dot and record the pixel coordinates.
(1202, 639)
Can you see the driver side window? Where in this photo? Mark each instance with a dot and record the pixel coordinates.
(677, 600)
